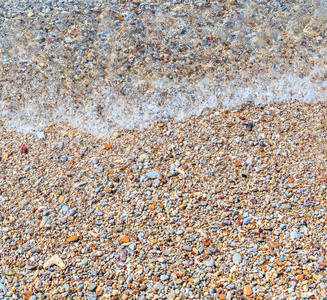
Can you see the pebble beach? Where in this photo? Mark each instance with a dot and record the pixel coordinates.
(227, 205)
(163, 150)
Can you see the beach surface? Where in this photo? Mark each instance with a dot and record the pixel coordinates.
(163, 149)
(227, 205)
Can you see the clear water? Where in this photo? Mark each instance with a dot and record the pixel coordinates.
(103, 66)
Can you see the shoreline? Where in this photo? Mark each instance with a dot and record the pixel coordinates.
(196, 209)
(110, 64)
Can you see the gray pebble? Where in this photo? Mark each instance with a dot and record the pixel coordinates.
(210, 263)
(92, 286)
(164, 277)
(237, 258)
(152, 175)
(65, 208)
(40, 135)
(187, 248)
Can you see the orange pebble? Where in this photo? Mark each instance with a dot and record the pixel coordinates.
(125, 239)
(28, 294)
(248, 290)
(74, 238)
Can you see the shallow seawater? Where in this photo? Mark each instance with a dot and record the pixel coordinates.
(104, 66)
